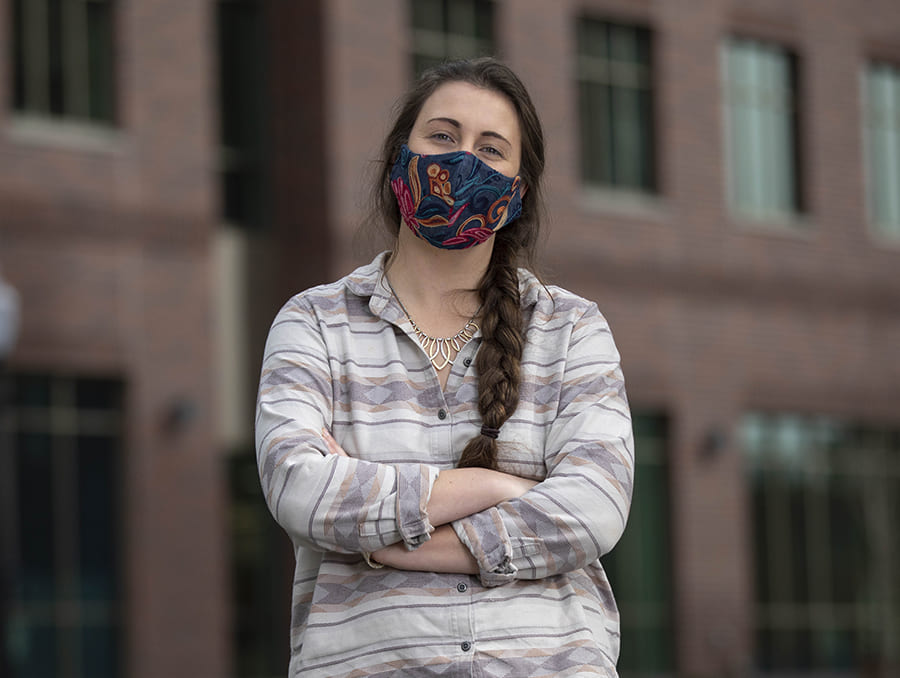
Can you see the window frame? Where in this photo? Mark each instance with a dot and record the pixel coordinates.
(68, 607)
(794, 215)
(431, 45)
(243, 143)
(885, 231)
(628, 565)
(793, 463)
(60, 73)
(615, 76)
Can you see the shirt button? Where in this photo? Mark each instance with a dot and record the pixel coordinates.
(466, 646)
(467, 362)
(442, 414)
(462, 587)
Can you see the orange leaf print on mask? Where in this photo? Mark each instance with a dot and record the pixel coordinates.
(439, 184)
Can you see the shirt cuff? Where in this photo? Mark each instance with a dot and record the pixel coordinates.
(414, 483)
(484, 534)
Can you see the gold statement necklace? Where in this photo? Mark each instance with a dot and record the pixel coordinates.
(441, 351)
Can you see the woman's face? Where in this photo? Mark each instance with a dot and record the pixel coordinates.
(460, 116)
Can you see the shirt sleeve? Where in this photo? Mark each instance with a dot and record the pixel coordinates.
(578, 512)
(324, 501)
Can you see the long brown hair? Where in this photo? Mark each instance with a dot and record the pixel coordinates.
(499, 357)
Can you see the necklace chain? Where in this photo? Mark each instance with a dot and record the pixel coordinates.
(441, 351)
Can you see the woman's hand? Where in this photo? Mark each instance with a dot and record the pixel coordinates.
(332, 444)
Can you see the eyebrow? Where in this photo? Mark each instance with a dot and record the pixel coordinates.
(457, 125)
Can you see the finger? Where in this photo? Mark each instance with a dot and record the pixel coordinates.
(333, 447)
(330, 442)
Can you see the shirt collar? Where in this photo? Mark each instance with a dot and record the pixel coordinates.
(370, 281)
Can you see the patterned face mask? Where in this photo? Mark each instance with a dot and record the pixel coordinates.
(453, 200)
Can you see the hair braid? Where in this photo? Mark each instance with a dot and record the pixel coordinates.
(498, 362)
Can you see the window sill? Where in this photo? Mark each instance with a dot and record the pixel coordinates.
(795, 226)
(623, 202)
(46, 132)
(883, 239)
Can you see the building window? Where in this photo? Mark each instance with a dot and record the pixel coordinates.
(826, 505)
(761, 118)
(640, 565)
(261, 567)
(450, 29)
(616, 106)
(242, 110)
(63, 54)
(65, 466)
(882, 138)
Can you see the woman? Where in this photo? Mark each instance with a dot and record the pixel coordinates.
(446, 440)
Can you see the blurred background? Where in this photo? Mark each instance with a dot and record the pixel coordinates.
(723, 179)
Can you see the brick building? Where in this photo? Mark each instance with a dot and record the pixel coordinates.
(108, 210)
(723, 179)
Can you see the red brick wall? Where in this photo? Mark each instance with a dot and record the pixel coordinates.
(108, 243)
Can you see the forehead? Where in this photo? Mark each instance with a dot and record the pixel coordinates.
(473, 107)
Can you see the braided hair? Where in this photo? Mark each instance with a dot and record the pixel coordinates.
(498, 362)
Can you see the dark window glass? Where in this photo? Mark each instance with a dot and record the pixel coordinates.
(639, 567)
(261, 560)
(450, 29)
(66, 453)
(34, 490)
(100, 60)
(96, 517)
(63, 59)
(616, 105)
(242, 110)
(826, 545)
(97, 394)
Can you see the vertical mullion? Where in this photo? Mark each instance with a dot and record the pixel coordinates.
(773, 518)
(76, 84)
(9, 500)
(757, 145)
(878, 126)
(730, 114)
(744, 128)
(892, 129)
(818, 556)
(790, 194)
(882, 533)
(446, 42)
(775, 139)
(64, 431)
(461, 27)
(891, 490)
(36, 55)
(883, 163)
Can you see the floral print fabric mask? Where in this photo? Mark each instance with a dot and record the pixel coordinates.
(453, 200)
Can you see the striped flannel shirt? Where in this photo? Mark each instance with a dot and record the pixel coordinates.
(343, 357)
